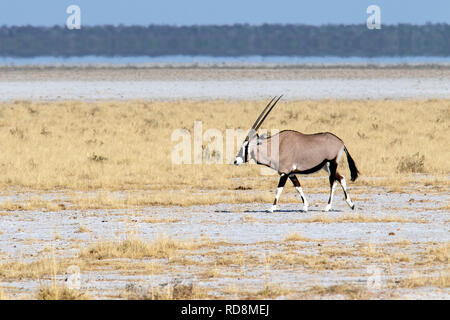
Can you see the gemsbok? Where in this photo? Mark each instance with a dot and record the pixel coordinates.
(291, 152)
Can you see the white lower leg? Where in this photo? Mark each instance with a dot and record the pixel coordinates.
(330, 201)
(305, 202)
(274, 206)
(347, 199)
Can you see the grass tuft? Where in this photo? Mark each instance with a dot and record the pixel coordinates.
(412, 164)
(59, 292)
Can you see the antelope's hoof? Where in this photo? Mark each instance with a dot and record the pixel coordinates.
(350, 204)
(274, 208)
(305, 209)
(327, 208)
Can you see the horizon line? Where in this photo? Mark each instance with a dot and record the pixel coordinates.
(227, 25)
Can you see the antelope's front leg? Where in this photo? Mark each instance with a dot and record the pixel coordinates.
(281, 183)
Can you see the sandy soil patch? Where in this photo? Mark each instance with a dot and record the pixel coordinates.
(202, 83)
(237, 251)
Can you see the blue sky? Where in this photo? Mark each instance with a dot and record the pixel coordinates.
(190, 12)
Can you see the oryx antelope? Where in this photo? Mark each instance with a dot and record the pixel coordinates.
(290, 152)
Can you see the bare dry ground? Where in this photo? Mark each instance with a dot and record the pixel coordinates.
(207, 72)
(234, 82)
(394, 245)
(92, 206)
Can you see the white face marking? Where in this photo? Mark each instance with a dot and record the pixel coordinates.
(238, 161)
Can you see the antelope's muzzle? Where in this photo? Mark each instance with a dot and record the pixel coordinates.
(238, 161)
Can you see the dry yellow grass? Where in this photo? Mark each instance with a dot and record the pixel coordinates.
(350, 291)
(32, 270)
(127, 145)
(332, 251)
(359, 218)
(171, 291)
(295, 236)
(135, 248)
(440, 253)
(60, 292)
(248, 218)
(30, 204)
(369, 250)
(211, 273)
(270, 291)
(3, 295)
(314, 262)
(178, 198)
(417, 279)
(82, 229)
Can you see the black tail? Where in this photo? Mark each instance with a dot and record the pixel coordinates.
(351, 164)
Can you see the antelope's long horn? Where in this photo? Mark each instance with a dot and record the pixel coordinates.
(267, 113)
(262, 113)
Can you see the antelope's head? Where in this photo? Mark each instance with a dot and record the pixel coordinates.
(252, 136)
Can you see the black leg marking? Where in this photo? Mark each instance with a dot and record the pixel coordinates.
(339, 178)
(283, 179)
(332, 171)
(296, 184)
(343, 183)
(300, 191)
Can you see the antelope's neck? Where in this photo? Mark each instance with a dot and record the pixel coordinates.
(262, 154)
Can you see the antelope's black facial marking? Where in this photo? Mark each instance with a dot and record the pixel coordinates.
(242, 156)
(246, 151)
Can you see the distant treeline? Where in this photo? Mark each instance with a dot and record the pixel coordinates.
(234, 40)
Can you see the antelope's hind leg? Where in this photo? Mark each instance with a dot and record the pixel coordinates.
(281, 183)
(331, 167)
(300, 191)
(343, 183)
